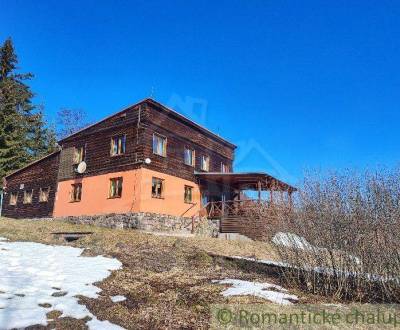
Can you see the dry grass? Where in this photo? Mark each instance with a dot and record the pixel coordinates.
(167, 280)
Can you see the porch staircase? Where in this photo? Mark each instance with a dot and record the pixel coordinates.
(230, 224)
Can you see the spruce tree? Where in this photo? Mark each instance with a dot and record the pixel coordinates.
(23, 133)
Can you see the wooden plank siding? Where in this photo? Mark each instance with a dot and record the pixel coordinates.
(96, 142)
(180, 135)
(139, 131)
(137, 123)
(41, 174)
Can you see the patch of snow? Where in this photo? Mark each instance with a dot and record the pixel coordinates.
(291, 241)
(33, 273)
(294, 241)
(278, 295)
(116, 299)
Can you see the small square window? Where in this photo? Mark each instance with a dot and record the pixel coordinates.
(189, 156)
(159, 145)
(44, 195)
(76, 192)
(13, 198)
(79, 154)
(188, 196)
(157, 188)
(28, 196)
(205, 163)
(115, 188)
(118, 145)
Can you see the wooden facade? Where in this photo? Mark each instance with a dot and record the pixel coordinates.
(150, 179)
(137, 124)
(41, 174)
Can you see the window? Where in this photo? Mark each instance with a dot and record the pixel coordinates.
(224, 168)
(159, 145)
(188, 194)
(157, 188)
(189, 156)
(78, 154)
(115, 188)
(28, 196)
(118, 145)
(205, 163)
(76, 192)
(44, 194)
(13, 198)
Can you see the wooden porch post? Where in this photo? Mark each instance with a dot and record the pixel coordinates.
(259, 191)
(271, 196)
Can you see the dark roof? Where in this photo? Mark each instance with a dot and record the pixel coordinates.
(166, 110)
(248, 180)
(32, 163)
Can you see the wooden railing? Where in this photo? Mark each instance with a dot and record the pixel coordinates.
(234, 208)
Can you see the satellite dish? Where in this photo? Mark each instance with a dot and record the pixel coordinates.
(147, 161)
(81, 167)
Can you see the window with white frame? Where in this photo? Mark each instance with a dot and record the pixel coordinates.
(159, 145)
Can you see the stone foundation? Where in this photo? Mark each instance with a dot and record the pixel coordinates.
(145, 221)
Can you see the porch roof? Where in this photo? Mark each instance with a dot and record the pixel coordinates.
(244, 181)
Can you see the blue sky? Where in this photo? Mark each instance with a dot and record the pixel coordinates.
(296, 84)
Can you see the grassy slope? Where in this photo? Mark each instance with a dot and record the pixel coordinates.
(167, 280)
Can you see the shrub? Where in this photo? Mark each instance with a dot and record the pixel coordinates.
(352, 222)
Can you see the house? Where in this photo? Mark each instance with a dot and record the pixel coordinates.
(145, 158)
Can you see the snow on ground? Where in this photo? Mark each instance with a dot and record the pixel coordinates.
(117, 299)
(271, 292)
(33, 274)
(291, 241)
(294, 241)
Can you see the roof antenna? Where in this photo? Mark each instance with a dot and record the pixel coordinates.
(152, 92)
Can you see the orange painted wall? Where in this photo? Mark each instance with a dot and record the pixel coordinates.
(136, 195)
(95, 190)
(173, 202)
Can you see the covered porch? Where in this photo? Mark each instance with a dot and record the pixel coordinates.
(223, 194)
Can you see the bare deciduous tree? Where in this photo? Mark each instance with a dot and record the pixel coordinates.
(70, 121)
